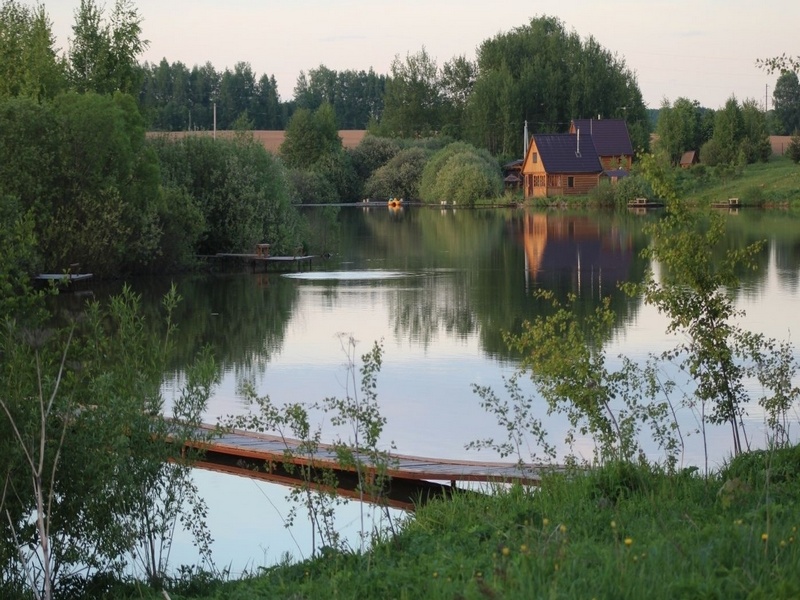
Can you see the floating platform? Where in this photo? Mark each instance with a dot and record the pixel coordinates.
(64, 277)
(264, 259)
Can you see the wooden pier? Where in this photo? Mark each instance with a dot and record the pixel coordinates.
(258, 259)
(414, 479)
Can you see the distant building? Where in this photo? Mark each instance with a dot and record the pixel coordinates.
(689, 158)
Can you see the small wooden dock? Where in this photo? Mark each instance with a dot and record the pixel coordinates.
(413, 478)
(257, 259)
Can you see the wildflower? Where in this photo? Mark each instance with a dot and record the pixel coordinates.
(435, 574)
(523, 549)
(613, 524)
(783, 543)
(628, 541)
(506, 551)
(737, 522)
(563, 529)
(764, 537)
(545, 522)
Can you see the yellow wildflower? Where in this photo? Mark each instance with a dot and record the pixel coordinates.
(506, 551)
(628, 541)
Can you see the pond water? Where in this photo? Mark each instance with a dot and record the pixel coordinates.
(437, 288)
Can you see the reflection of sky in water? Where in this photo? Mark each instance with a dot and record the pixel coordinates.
(424, 390)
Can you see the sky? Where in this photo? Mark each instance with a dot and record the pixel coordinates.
(704, 50)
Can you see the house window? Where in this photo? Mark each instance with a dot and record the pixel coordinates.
(534, 157)
(570, 182)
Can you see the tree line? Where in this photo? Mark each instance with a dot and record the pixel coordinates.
(540, 73)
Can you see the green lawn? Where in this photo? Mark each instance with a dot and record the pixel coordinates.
(620, 532)
(774, 182)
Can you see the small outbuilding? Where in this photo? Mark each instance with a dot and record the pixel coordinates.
(689, 158)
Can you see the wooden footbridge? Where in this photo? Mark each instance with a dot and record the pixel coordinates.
(413, 479)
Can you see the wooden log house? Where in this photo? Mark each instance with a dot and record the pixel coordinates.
(611, 140)
(560, 164)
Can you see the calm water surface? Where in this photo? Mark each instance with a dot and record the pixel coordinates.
(437, 288)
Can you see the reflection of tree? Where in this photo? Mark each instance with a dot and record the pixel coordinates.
(781, 230)
(242, 317)
(479, 265)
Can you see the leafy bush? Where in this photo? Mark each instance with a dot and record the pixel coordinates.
(400, 177)
(372, 153)
(603, 194)
(793, 151)
(337, 169)
(462, 174)
(239, 187)
(753, 195)
(710, 153)
(311, 187)
(631, 187)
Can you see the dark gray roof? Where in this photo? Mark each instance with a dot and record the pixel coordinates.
(559, 153)
(610, 135)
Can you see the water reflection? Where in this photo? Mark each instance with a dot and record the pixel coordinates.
(440, 288)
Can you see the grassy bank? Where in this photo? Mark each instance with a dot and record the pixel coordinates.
(776, 182)
(623, 531)
(772, 184)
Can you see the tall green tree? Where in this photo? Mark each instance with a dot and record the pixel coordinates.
(310, 136)
(238, 187)
(86, 466)
(542, 74)
(786, 101)
(678, 127)
(29, 62)
(413, 100)
(103, 54)
(754, 145)
(457, 82)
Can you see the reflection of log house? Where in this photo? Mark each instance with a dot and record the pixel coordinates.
(555, 244)
(560, 164)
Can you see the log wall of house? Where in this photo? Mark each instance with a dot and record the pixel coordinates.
(611, 163)
(581, 184)
(534, 174)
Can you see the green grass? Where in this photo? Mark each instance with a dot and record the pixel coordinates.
(623, 531)
(776, 182)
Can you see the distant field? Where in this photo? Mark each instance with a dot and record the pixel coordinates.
(271, 140)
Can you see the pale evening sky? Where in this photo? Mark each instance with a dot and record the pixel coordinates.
(701, 49)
